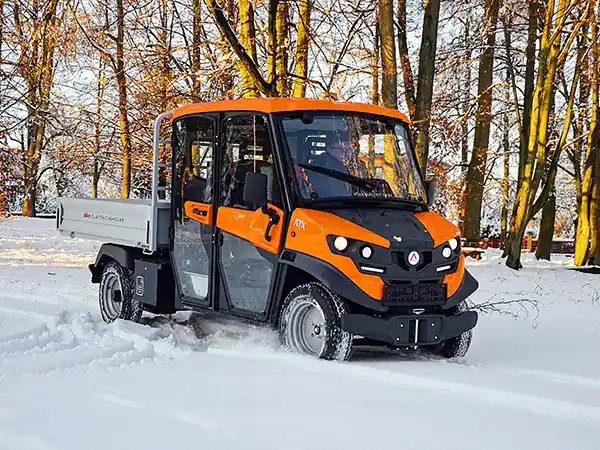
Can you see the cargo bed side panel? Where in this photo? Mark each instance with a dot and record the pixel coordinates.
(117, 221)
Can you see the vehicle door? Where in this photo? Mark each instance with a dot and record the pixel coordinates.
(194, 141)
(248, 247)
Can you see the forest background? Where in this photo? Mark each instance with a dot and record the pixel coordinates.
(502, 95)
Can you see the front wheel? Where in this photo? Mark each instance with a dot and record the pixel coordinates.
(310, 323)
(116, 294)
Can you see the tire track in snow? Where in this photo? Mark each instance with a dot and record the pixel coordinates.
(554, 377)
(500, 397)
(40, 340)
(69, 344)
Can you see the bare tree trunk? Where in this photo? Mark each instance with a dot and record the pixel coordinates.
(247, 39)
(375, 65)
(389, 83)
(35, 137)
(302, 41)
(272, 43)
(465, 74)
(97, 131)
(281, 64)
(466, 103)
(544, 247)
(483, 119)
(122, 88)
(1, 27)
(532, 30)
(409, 83)
(505, 186)
(596, 194)
(425, 80)
(374, 93)
(593, 221)
(584, 216)
(196, 46)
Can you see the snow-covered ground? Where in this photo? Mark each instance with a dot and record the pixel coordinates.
(69, 382)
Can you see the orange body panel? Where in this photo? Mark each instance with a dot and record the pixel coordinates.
(275, 105)
(251, 226)
(201, 212)
(440, 229)
(453, 280)
(307, 234)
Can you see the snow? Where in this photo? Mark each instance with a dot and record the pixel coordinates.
(531, 379)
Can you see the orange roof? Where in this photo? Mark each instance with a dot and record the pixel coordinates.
(279, 104)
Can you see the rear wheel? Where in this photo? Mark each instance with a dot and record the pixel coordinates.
(310, 323)
(116, 294)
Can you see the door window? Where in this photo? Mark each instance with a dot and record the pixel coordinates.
(247, 149)
(192, 241)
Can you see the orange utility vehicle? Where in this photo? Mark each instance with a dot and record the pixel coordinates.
(307, 215)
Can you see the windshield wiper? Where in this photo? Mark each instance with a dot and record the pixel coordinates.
(356, 181)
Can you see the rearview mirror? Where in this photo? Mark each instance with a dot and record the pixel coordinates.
(255, 189)
(430, 187)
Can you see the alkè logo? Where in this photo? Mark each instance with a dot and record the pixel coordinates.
(413, 258)
(103, 217)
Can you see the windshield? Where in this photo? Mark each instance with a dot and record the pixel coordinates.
(341, 155)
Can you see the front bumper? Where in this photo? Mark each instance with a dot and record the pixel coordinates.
(409, 330)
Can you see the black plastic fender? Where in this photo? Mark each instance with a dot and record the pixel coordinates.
(125, 256)
(331, 277)
(468, 285)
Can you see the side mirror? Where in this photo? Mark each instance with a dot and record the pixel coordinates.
(430, 188)
(255, 189)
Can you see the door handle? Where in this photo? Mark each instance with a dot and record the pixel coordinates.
(273, 220)
(201, 212)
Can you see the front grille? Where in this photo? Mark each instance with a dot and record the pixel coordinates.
(424, 293)
(401, 258)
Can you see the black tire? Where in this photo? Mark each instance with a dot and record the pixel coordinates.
(115, 295)
(314, 298)
(456, 347)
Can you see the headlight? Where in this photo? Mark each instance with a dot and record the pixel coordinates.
(366, 252)
(452, 246)
(454, 243)
(340, 243)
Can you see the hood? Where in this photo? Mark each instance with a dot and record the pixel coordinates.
(399, 227)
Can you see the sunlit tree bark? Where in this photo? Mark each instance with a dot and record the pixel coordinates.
(424, 97)
(302, 41)
(389, 82)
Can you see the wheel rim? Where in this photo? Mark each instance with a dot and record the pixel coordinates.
(112, 296)
(307, 330)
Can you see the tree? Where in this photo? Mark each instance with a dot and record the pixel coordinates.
(302, 41)
(483, 119)
(552, 52)
(389, 82)
(37, 33)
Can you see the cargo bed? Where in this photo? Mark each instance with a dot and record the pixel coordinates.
(133, 222)
(116, 221)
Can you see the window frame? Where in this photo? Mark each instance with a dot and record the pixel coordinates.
(293, 186)
(275, 148)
